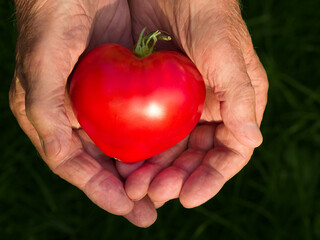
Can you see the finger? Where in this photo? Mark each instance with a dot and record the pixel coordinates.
(201, 138)
(143, 213)
(226, 159)
(147, 214)
(201, 186)
(211, 111)
(207, 180)
(125, 169)
(107, 191)
(234, 90)
(138, 182)
(168, 183)
(97, 179)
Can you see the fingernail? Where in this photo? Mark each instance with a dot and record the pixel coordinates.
(253, 134)
(51, 147)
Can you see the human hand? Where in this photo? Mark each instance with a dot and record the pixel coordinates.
(215, 37)
(52, 36)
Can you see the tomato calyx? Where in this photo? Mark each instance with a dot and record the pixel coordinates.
(146, 44)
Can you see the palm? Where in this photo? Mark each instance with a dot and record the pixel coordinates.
(74, 27)
(102, 182)
(196, 168)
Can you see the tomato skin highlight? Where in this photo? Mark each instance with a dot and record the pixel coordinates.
(135, 108)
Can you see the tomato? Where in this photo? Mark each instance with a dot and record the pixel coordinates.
(136, 107)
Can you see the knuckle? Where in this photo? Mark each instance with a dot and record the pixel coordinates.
(242, 91)
(261, 81)
(245, 88)
(32, 107)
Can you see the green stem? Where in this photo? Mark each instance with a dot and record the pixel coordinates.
(146, 44)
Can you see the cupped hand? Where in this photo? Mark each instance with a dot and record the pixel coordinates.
(52, 36)
(214, 36)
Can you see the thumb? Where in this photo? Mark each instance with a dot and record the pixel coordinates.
(45, 109)
(50, 122)
(233, 88)
(238, 113)
(45, 84)
(51, 37)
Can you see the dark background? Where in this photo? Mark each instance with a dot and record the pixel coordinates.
(276, 196)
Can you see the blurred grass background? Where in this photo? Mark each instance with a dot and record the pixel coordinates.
(276, 196)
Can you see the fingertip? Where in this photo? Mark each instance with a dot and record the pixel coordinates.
(200, 187)
(125, 209)
(188, 204)
(143, 213)
(137, 184)
(120, 204)
(191, 201)
(136, 190)
(167, 185)
(188, 201)
(252, 136)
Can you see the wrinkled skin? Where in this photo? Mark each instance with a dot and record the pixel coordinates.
(54, 34)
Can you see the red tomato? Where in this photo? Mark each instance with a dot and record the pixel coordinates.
(134, 108)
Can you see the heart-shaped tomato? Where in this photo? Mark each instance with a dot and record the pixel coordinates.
(134, 108)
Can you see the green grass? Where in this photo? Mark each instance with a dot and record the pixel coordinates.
(276, 196)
